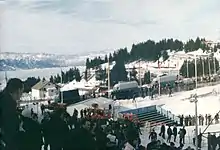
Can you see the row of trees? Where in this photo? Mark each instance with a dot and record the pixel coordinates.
(70, 75)
(119, 73)
(204, 67)
(150, 50)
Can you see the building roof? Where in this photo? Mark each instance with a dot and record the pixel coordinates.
(41, 84)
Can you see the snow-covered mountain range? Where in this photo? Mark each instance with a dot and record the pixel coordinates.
(15, 61)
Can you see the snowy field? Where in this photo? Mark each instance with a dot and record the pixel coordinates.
(180, 104)
(188, 139)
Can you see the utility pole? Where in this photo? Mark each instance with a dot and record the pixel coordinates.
(169, 66)
(187, 68)
(140, 72)
(196, 115)
(213, 57)
(203, 68)
(159, 78)
(109, 94)
(61, 91)
(209, 66)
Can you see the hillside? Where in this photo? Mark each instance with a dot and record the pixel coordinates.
(152, 51)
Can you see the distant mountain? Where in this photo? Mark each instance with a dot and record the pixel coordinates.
(14, 61)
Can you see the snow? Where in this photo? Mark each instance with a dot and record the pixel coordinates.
(188, 139)
(101, 101)
(199, 52)
(78, 85)
(179, 103)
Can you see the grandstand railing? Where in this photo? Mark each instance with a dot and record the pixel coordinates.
(168, 114)
(154, 108)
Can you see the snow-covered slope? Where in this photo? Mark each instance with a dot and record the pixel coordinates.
(14, 61)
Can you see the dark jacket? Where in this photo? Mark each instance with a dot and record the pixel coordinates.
(9, 121)
(32, 135)
(174, 131)
(85, 142)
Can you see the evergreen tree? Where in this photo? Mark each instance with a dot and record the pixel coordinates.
(87, 63)
(58, 79)
(147, 79)
(77, 74)
(101, 74)
(70, 75)
(51, 79)
(165, 55)
(110, 57)
(118, 73)
(106, 58)
(86, 75)
(62, 76)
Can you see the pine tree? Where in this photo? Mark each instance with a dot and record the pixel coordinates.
(147, 79)
(118, 73)
(165, 55)
(88, 63)
(51, 79)
(58, 79)
(77, 76)
(110, 57)
(106, 58)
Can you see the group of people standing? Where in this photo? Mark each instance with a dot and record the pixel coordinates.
(202, 120)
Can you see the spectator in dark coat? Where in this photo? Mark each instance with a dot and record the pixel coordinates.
(84, 140)
(58, 132)
(214, 142)
(46, 130)
(153, 135)
(9, 121)
(174, 133)
(169, 133)
(162, 131)
(32, 135)
(184, 134)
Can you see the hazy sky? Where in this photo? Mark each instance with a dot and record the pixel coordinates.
(80, 26)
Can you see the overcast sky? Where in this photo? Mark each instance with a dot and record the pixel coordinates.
(81, 26)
